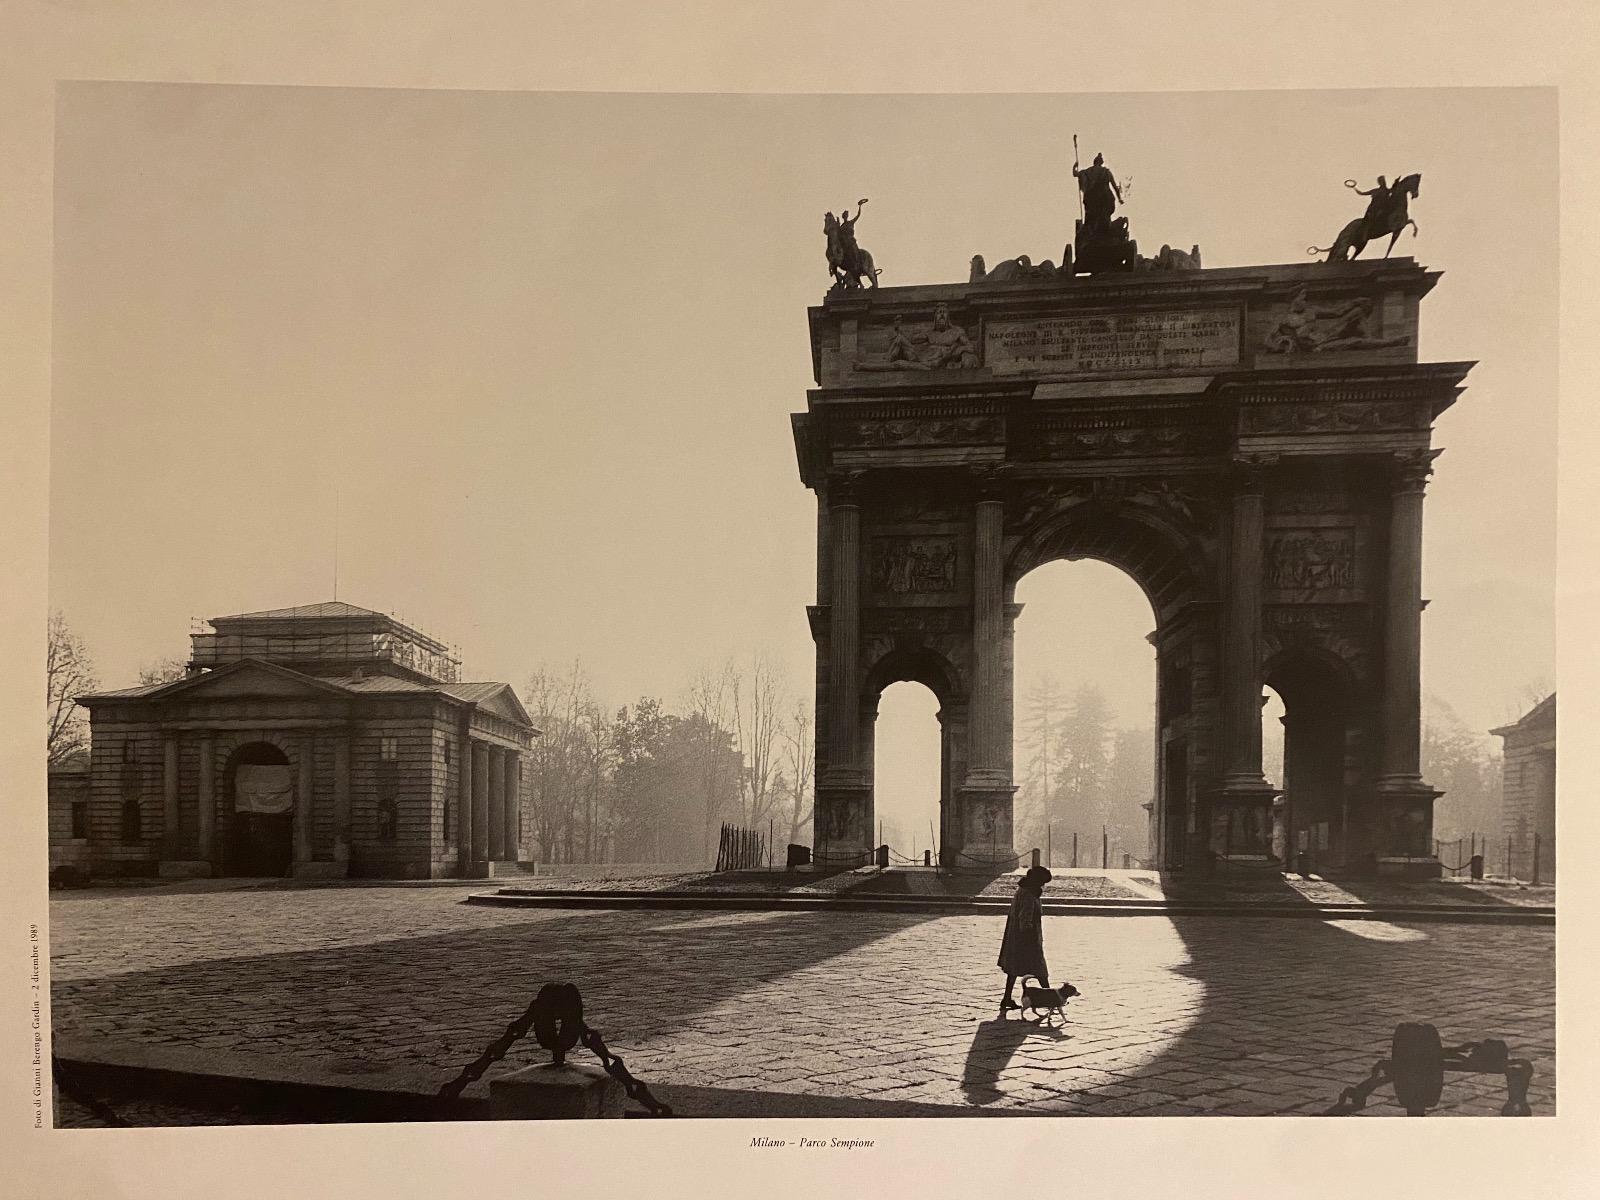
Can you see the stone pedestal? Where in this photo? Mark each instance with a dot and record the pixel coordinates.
(549, 1092)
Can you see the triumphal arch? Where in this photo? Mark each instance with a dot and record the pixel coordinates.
(1249, 444)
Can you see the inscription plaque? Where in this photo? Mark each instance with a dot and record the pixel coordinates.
(1113, 342)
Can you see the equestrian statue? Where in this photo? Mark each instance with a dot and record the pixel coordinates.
(848, 263)
(1387, 206)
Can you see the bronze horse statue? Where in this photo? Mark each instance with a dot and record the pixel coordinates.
(848, 262)
(1387, 214)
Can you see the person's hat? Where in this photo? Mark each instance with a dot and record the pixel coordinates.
(1037, 877)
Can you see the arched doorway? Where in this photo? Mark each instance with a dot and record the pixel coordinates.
(908, 771)
(260, 799)
(1312, 814)
(1084, 715)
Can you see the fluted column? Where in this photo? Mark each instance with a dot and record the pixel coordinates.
(1402, 659)
(341, 799)
(512, 810)
(987, 767)
(208, 799)
(302, 803)
(1241, 642)
(844, 635)
(465, 825)
(480, 802)
(497, 803)
(171, 846)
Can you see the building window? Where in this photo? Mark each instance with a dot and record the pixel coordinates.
(449, 754)
(132, 830)
(128, 749)
(388, 819)
(389, 748)
(80, 818)
(448, 813)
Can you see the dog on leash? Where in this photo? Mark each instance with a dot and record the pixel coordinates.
(1047, 1003)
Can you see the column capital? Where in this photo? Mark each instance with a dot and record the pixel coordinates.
(1409, 469)
(844, 489)
(1248, 472)
(989, 482)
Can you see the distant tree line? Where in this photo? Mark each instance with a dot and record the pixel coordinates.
(653, 781)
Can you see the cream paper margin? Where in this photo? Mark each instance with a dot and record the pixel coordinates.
(822, 46)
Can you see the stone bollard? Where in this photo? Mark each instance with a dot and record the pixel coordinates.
(555, 1092)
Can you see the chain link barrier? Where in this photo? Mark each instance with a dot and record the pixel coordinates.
(555, 1017)
(1416, 1068)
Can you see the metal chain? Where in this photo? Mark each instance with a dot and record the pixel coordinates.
(492, 1053)
(68, 1086)
(1354, 1099)
(1485, 1057)
(518, 1029)
(618, 1070)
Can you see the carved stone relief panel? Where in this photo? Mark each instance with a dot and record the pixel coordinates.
(1311, 560)
(913, 565)
(915, 431)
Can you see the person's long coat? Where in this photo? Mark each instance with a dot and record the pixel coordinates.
(1022, 947)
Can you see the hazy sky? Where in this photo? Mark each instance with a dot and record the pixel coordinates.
(539, 350)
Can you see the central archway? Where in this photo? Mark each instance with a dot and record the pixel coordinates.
(1084, 716)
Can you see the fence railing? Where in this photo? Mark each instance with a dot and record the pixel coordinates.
(741, 849)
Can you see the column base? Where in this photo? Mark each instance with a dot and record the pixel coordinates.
(1240, 819)
(1404, 821)
(842, 827)
(984, 825)
(479, 869)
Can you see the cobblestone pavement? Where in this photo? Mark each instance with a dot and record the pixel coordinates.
(1179, 1015)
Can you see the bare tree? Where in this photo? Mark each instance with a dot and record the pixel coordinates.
(712, 702)
(69, 673)
(163, 670)
(798, 758)
(756, 719)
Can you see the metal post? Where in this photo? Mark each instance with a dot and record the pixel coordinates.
(1105, 860)
(1074, 848)
(1536, 859)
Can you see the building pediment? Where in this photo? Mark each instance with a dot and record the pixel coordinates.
(249, 679)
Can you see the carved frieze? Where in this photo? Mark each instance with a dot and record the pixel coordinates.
(920, 432)
(1311, 503)
(1372, 416)
(912, 565)
(916, 622)
(1068, 442)
(1310, 560)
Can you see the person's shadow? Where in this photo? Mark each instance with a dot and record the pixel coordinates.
(993, 1044)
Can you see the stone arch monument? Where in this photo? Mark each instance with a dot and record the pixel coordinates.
(1249, 444)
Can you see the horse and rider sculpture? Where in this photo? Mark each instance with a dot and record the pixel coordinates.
(1387, 213)
(848, 263)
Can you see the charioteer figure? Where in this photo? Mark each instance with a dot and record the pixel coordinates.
(1101, 195)
(1100, 242)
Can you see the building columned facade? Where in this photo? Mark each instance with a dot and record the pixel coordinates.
(1528, 808)
(320, 741)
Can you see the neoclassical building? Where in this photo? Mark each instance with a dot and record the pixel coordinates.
(1528, 811)
(319, 741)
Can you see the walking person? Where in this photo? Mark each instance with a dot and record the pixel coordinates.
(1022, 946)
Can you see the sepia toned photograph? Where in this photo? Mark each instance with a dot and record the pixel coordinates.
(601, 605)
